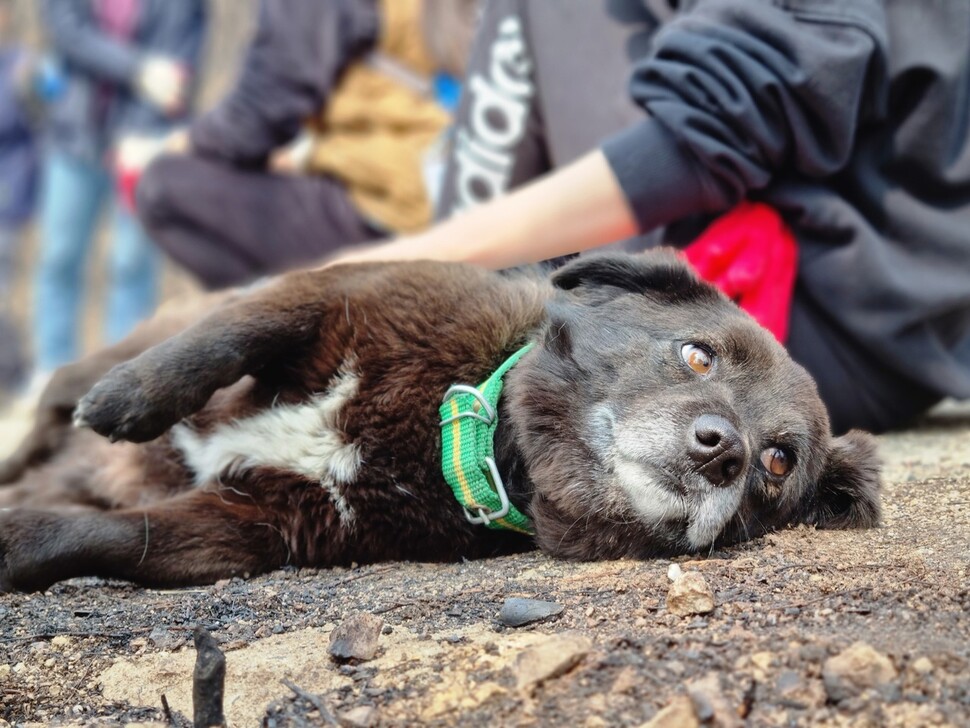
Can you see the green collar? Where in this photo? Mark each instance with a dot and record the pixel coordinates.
(469, 417)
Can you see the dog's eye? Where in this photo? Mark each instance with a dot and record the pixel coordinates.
(777, 461)
(697, 358)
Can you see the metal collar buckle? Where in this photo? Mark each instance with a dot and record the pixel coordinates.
(479, 398)
(484, 515)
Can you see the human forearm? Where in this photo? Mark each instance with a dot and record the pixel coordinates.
(74, 36)
(576, 208)
(290, 69)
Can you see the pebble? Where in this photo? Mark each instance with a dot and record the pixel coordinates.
(923, 666)
(710, 705)
(690, 594)
(356, 638)
(799, 692)
(165, 639)
(674, 572)
(855, 670)
(550, 659)
(517, 612)
(679, 714)
(361, 717)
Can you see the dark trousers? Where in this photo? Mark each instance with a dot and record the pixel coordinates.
(229, 226)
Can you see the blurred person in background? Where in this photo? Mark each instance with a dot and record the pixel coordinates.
(18, 176)
(129, 69)
(259, 189)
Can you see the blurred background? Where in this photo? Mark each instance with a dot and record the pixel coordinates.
(150, 149)
(231, 24)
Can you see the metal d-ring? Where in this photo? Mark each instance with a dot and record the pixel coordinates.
(479, 397)
(503, 497)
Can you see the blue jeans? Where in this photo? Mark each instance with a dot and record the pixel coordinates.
(73, 194)
(9, 238)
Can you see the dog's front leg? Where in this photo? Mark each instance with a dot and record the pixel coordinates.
(52, 418)
(198, 538)
(141, 399)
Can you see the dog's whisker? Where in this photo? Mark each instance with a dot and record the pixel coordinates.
(144, 553)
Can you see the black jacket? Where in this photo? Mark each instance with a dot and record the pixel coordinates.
(290, 69)
(851, 118)
(99, 103)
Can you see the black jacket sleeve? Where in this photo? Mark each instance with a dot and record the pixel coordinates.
(292, 64)
(738, 92)
(74, 34)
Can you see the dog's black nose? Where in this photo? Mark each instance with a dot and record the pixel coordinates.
(715, 445)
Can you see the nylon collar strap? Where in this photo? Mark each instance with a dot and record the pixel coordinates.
(469, 418)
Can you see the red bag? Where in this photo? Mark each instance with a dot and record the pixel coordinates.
(751, 255)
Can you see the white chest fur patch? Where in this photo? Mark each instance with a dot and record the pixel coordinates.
(305, 439)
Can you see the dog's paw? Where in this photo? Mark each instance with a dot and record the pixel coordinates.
(22, 568)
(119, 408)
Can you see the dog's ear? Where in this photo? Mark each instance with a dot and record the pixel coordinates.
(660, 273)
(848, 494)
(558, 337)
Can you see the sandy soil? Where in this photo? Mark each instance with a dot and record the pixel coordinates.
(783, 645)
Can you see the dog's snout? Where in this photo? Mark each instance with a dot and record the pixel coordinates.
(716, 447)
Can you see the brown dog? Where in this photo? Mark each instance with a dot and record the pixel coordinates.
(299, 424)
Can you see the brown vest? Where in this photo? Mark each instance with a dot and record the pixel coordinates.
(376, 128)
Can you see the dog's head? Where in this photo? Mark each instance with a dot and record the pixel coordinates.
(655, 417)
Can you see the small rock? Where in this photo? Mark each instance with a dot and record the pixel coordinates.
(165, 639)
(679, 714)
(676, 667)
(923, 666)
(361, 717)
(674, 572)
(356, 638)
(62, 640)
(798, 692)
(550, 659)
(690, 594)
(854, 670)
(517, 612)
(710, 705)
(761, 663)
(625, 681)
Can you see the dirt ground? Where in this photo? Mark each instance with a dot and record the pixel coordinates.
(783, 644)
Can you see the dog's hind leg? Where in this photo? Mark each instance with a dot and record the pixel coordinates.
(197, 538)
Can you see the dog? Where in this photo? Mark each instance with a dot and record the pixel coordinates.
(642, 414)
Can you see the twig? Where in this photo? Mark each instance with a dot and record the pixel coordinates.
(314, 700)
(373, 572)
(49, 636)
(392, 607)
(843, 593)
(208, 681)
(167, 711)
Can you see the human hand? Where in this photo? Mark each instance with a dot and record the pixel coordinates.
(163, 83)
(131, 156)
(294, 157)
(177, 142)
